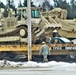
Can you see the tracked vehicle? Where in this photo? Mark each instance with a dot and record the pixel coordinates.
(11, 29)
(42, 23)
(14, 28)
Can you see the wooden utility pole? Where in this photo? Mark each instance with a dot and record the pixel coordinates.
(29, 30)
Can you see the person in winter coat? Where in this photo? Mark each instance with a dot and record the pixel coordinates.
(44, 50)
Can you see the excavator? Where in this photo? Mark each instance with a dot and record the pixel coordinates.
(14, 34)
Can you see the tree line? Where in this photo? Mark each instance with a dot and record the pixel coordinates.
(70, 7)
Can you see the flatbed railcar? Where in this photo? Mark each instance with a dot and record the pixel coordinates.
(59, 52)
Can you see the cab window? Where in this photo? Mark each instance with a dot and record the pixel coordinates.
(21, 13)
(35, 14)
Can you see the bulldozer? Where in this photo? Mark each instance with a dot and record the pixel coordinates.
(14, 27)
(11, 29)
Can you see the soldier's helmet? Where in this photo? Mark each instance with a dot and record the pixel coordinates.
(43, 42)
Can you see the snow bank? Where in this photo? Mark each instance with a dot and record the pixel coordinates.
(55, 64)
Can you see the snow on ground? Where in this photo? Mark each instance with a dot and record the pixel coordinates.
(4, 63)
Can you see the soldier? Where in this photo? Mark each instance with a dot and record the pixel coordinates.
(44, 50)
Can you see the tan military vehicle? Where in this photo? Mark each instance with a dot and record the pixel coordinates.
(11, 29)
(68, 28)
(15, 28)
(43, 23)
